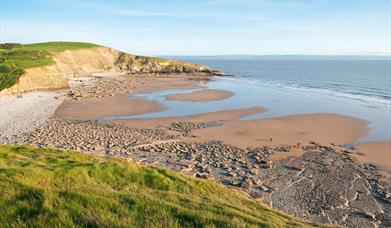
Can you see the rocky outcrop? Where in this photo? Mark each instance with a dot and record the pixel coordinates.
(87, 61)
(142, 64)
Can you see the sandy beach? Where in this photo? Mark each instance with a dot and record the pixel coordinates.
(202, 95)
(99, 99)
(24, 113)
(211, 113)
(92, 108)
(221, 116)
(264, 157)
(289, 130)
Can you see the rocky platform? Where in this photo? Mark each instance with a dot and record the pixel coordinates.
(323, 185)
(90, 136)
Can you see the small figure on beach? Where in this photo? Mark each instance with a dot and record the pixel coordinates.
(271, 139)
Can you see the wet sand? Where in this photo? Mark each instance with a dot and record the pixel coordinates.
(109, 96)
(375, 153)
(154, 84)
(251, 155)
(92, 108)
(222, 116)
(203, 95)
(289, 130)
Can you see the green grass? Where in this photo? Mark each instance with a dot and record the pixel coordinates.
(53, 188)
(10, 78)
(17, 57)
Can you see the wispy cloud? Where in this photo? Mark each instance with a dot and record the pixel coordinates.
(109, 8)
(136, 13)
(250, 18)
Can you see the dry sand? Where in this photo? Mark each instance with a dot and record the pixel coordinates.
(202, 95)
(92, 108)
(377, 153)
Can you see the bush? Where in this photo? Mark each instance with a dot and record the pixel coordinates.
(10, 45)
(9, 79)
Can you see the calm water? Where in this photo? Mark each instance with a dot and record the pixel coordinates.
(356, 88)
(367, 80)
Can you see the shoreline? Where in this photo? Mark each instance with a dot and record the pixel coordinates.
(261, 157)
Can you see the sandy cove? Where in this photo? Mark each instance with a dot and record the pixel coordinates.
(262, 157)
(103, 96)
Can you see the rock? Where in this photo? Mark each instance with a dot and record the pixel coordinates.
(256, 194)
(323, 184)
(246, 183)
(368, 215)
(231, 174)
(253, 171)
(263, 188)
(202, 175)
(241, 173)
(226, 182)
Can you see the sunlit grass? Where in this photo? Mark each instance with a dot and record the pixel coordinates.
(49, 187)
(15, 58)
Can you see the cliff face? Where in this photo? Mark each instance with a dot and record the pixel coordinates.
(84, 62)
(141, 64)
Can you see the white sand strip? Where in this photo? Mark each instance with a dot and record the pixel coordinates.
(21, 114)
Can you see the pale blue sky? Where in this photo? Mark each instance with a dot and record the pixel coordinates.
(205, 27)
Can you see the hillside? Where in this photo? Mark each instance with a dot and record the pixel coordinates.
(48, 65)
(47, 187)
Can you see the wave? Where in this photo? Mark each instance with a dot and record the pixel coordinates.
(383, 101)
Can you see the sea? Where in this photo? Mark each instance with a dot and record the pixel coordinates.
(356, 87)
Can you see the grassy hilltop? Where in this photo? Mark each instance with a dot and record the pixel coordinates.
(47, 188)
(14, 58)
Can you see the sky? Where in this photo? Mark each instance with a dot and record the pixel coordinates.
(205, 27)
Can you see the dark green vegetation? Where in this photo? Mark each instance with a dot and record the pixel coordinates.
(48, 188)
(10, 78)
(16, 57)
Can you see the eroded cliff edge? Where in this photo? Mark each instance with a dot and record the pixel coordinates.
(87, 61)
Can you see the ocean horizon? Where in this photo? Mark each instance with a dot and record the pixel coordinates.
(280, 57)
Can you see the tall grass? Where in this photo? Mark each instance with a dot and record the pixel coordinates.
(53, 188)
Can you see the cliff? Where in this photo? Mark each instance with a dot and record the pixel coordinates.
(47, 66)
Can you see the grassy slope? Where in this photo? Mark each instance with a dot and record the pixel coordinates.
(45, 187)
(14, 60)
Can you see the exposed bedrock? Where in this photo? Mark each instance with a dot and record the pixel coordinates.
(324, 185)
